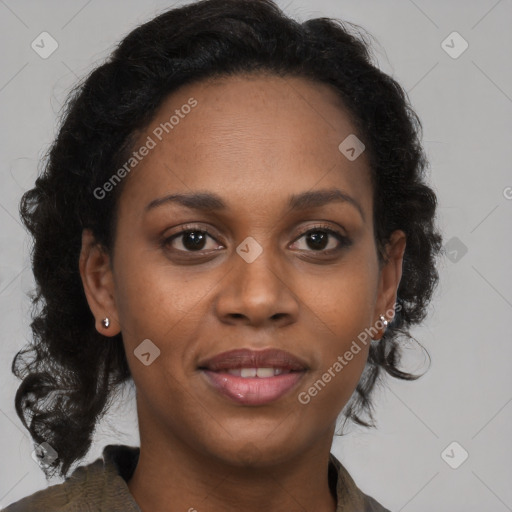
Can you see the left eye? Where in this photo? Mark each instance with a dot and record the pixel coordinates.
(318, 239)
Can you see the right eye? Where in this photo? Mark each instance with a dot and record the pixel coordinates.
(190, 238)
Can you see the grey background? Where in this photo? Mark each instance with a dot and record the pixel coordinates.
(465, 105)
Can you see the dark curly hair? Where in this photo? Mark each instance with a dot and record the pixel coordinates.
(69, 372)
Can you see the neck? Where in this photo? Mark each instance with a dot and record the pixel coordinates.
(192, 481)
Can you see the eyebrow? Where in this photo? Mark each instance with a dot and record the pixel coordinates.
(206, 201)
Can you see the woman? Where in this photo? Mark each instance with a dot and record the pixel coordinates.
(234, 215)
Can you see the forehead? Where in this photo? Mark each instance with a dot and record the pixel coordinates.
(254, 137)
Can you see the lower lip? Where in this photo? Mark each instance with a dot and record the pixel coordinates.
(253, 390)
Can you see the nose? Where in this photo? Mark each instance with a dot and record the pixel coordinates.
(258, 293)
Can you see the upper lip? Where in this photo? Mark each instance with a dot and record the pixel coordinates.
(246, 358)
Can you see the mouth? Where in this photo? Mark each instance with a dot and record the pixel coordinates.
(253, 377)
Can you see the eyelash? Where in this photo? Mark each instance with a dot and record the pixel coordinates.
(344, 241)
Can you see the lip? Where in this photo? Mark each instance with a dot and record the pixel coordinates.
(253, 390)
(246, 358)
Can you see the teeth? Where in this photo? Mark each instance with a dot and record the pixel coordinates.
(262, 373)
(248, 372)
(265, 372)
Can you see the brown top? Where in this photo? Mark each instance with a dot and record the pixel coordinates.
(102, 486)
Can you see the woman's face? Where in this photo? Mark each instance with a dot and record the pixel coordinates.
(245, 276)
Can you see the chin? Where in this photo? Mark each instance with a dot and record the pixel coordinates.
(256, 451)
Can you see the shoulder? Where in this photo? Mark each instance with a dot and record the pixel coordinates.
(65, 496)
(371, 505)
(90, 488)
(350, 497)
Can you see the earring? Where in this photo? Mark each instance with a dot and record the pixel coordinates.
(106, 322)
(382, 318)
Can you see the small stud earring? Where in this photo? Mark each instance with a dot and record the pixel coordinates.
(106, 322)
(383, 320)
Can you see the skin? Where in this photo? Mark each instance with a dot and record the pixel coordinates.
(253, 140)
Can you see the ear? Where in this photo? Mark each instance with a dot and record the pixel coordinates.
(98, 283)
(390, 275)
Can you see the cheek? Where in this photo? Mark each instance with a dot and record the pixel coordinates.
(151, 294)
(158, 302)
(342, 300)
(342, 306)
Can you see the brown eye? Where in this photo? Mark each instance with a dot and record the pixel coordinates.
(323, 239)
(190, 240)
